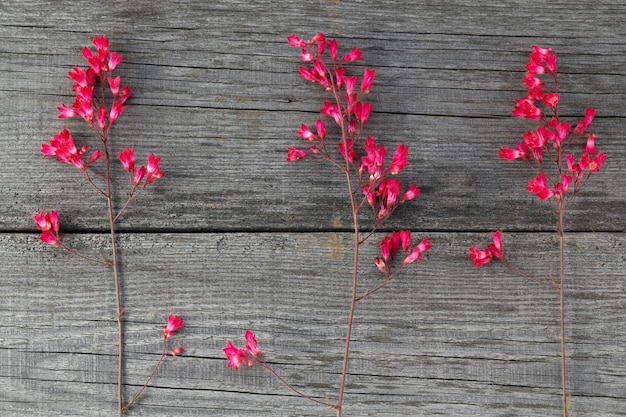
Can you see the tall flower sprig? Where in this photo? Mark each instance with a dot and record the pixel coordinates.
(370, 180)
(562, 157)
(99, 101)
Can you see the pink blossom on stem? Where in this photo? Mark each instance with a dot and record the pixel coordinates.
(116, 110)
(494, 250)
(367, 81)
(416, 253)
(48, 223)
(152, 171)
(114, 84)
(295, 154)
(236, 357)
(526, 109)
(354, 55)
(176, 352)
(399, 160)
(62, 146)
(583, 125)
(252, 346)
(539, 187)
(249, 355)
(174, 323)
(127, 158)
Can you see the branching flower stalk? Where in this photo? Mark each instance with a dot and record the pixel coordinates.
(100, 99)
(561, 171)
(369, 183)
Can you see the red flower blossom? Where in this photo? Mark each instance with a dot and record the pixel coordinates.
(48, 223)
(152, 171)
(62, 146)
(484, 256)
(249, 355)
(539, 187)
(526, 109)
(127, 158)
(295, 154)
(174, 323)
(236, 357)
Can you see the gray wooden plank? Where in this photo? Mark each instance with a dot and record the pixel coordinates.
(222, 86)
(443, 339)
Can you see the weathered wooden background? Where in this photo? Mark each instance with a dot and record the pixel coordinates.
(234, 238)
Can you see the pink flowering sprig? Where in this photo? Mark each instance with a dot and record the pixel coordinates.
(354, 154)
(562, 158)
(99, 101)
(251, 355)
(174, 323)
(370, 179)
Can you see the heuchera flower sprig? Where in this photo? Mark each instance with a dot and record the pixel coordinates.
(370, 181)
(563, 159)
(99, 101)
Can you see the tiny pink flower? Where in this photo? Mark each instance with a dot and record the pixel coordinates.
(114, 61)
(295, 154)
(251, 345)
(353, 55)
(295, 41)
(66, 112)
(526, 108)
(176, 352)
(153, 171)
(48, 223)
(367, 81)
(174, 323)
(410, 194)
(496, 247)
(321, 129)
(539, 187)
(416, 253)
(236, 357)
(305, 133)
(102, 117)
(127, 158)
(95, 156)
(399, 160)
(138, 175)
(480, 257)
(114, 84)
(116, 110)
(583, 125)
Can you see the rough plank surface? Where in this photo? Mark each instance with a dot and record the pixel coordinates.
(236, 238)
(444, 339)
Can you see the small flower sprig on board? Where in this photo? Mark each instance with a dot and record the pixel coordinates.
(100, 99)
(563, 159)
(370, 182)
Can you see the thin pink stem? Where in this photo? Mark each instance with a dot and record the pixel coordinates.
(156, 367)
(562, 305)
(291, 387)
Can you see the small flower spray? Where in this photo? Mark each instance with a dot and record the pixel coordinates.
(370, 182)
(563, 159)
(99, 101)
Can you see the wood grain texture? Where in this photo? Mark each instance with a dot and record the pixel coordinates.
(235, 238)
(444, 339)
(220, 82)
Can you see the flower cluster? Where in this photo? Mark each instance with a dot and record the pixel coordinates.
(350, 112)
(137, 174)
(90, 105)
(390, 246)
(553, 139)
(248, 356)
(482, 257)
(48, 223)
